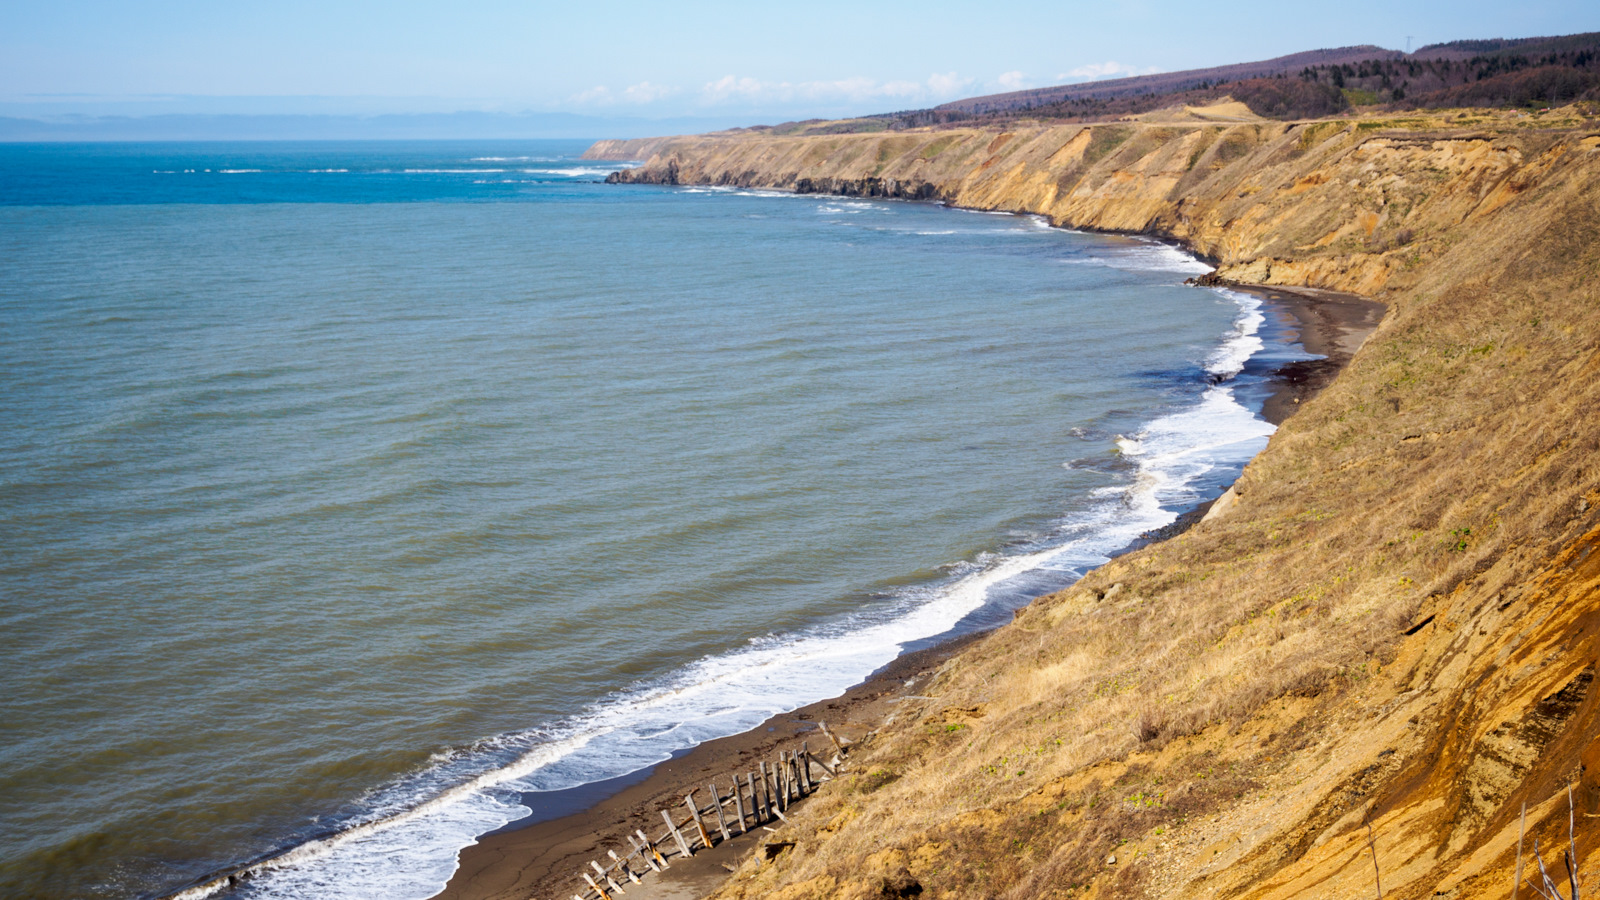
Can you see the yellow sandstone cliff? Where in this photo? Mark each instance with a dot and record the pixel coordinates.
(1390, 632)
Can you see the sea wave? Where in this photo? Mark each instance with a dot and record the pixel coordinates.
(611, 165)
(1146, 255)
(1243, 343)
(574, 171)
(407, 843)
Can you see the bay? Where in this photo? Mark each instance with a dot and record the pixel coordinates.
(350, 489)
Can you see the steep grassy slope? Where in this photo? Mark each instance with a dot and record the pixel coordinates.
(1395, 624)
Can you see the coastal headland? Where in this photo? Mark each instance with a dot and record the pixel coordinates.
(1367, 672)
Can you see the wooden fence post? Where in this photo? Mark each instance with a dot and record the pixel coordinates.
(694, 813)
(597, 888)
(766, 795)
(650, 848)
(787, 765)
(785, 780)
(672, 826)
(777, 783)
(623, 865)
(603, 874)
(836, 745)
(738, 803)
(769, 784)
(644, 853)
(716, 804)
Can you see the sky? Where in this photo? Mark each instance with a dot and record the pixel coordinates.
(761, 62)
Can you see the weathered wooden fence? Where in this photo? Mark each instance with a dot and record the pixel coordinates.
(752, 800)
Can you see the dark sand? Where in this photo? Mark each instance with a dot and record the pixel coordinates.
(543, 859)
(1331, 324)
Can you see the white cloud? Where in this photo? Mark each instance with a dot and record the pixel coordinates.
(598, 95)
(645, 92)
(728, 87)
(637, 94)
(798, 97)
(901, 89)
(947, 85)
(1108, 69)
(733, 89)
(1013, 81)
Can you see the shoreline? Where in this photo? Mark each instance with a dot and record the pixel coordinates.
(543, 858)
(1331, 324)
(541, 855)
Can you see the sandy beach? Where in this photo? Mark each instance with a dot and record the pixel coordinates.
(1331, 324)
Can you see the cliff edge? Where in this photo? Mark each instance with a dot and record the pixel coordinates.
(1352, 681)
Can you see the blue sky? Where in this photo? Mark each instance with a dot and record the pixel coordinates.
(767, 62)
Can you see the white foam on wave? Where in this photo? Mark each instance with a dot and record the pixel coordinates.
(1031, 223)
(450, 171)
(1173, 453)
(1176, 451)
(238, 171)
(413, 853)
(408, 845)
(611, 165)
(574, 171)
(1244, 342)
(1145, 255)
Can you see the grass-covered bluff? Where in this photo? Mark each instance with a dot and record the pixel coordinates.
(1395, 623)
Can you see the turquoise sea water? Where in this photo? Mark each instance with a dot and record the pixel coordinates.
(351, 490)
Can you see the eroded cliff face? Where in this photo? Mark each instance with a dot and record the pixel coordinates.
(1340, 205)
(1395, 625)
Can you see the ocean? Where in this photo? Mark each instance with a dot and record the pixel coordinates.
(353, 491)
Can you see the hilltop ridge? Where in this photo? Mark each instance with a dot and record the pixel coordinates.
(1535, 73)
(1294, 64)
(1168, 82)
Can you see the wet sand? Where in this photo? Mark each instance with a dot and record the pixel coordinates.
(1331, 324)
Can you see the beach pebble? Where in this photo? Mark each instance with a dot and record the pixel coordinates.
(1111, 860)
